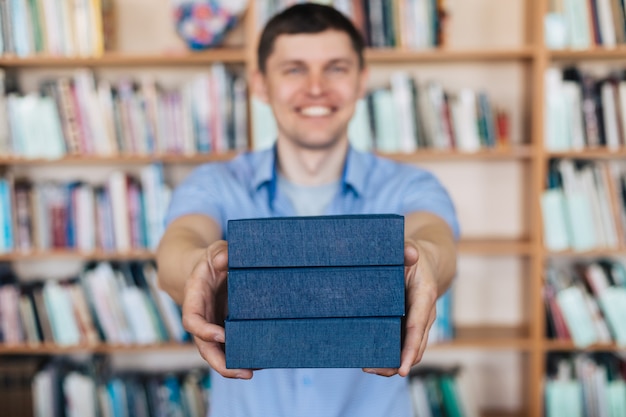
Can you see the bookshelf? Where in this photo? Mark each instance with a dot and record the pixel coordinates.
(523, 49)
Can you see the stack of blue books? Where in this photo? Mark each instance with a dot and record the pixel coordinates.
(315, 292)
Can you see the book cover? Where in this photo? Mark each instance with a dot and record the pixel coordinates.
(266, 293)
(314, 343)
(352, 240)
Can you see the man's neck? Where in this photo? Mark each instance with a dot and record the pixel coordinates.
(311, 166)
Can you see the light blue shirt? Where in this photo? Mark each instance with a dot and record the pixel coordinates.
(246, 187)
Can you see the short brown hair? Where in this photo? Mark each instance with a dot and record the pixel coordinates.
(307, 18)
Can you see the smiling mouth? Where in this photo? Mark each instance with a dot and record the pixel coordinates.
(316, 111)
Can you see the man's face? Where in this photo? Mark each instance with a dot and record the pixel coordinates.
(312, 83)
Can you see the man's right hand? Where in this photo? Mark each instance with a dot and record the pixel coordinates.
(204, 308)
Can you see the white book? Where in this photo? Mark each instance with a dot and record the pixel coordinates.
(464, 112)
(606, 213)
(105, 107)
(79, 393)
(85, 209)
(609, 113)
(61, 313)
(556, 124)
(606, 23)
(403, 103)
(419, 398)
(573, 101)
(359, 129)
(577, 18)
(590, 190)
(137, 315)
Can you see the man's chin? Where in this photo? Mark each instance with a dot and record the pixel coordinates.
(318, 144)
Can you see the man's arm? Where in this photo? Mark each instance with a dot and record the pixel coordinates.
(430, 265)
(193, 268)
(183, 244)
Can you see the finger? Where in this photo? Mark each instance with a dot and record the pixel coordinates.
(416, 327)
(197, 325)
(381, 371)
(214, 355)
(411, 254)
(424, 344)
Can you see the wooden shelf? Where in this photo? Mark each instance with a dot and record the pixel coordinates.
(589, 54)
(234, 55)
(503, 153)
(517, 152)
(53, 349)
(588, 254)
(495, 247)
(590, 153)
(70, 253)
(391, 55)
(487, 337)
(568, 346)
(121, 159)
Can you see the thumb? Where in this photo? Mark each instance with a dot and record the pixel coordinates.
(411, 254)
(219, 255)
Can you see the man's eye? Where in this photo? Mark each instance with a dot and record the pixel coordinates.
(294, 71)
(338, 69)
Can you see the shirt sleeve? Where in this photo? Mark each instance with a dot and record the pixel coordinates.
(198, 194)
(424, 192)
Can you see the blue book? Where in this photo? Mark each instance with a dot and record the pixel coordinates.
(314, 343)
(353, 240)
(272, 293)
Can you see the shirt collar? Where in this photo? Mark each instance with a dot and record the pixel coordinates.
(353, 176)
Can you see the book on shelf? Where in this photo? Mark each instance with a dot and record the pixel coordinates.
(583, 206)
(406, 24)
(83, 28)
(585, 384)
(583, 110)
(118, 304)
(589, 23)
(64, 387)
(82, 115)
(437, 391)
(406, 117)
(123, 214)
(585, 302)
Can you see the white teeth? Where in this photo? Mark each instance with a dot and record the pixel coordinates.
(315, 111)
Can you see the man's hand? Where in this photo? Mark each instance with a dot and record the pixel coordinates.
(421, 296)
(204, 308)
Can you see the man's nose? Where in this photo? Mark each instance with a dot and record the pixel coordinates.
(315, 84)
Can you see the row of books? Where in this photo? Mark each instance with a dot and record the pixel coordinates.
(413, 24)
(56, 27)
(118, 304)
(80, 115)
(585, 385)
(124, 213)
(583, 110)
(586, 23)
(32, 387)
(584, 205)
(406, 117)
(437, 391)
(586, 302)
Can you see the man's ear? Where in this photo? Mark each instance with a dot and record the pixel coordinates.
(259, 86)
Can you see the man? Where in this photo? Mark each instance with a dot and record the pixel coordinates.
(311, 72)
